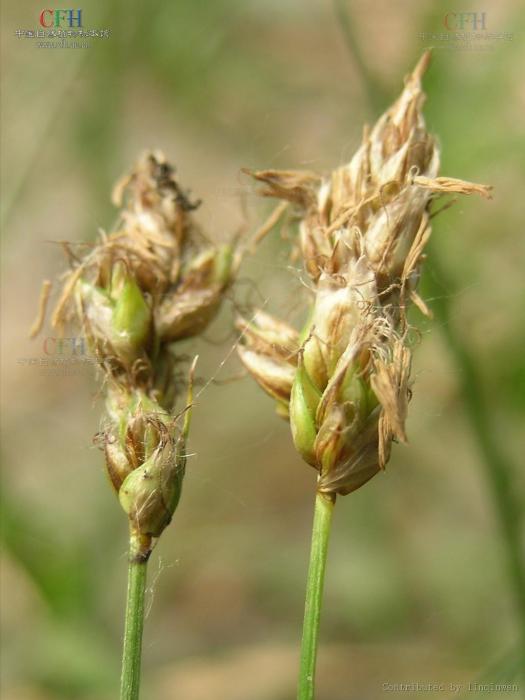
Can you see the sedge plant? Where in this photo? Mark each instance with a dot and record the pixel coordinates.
(153, 281)
(344, 381)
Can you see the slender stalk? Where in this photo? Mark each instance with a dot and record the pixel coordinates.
(324, 506)
(375, 94)
(134, 624)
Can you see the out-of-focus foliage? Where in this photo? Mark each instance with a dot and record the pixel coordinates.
(417, 586)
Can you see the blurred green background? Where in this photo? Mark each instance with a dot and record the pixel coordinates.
(425, 579)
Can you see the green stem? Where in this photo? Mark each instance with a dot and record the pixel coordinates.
(134, 624)
(324, 506)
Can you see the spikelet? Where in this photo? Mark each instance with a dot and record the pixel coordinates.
(156, 279)
(362, 235)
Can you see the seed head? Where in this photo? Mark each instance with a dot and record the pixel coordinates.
(152, 281)
(362, 234)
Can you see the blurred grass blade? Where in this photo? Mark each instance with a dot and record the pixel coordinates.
(58, 573)
(498, 472)
(505, 671)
